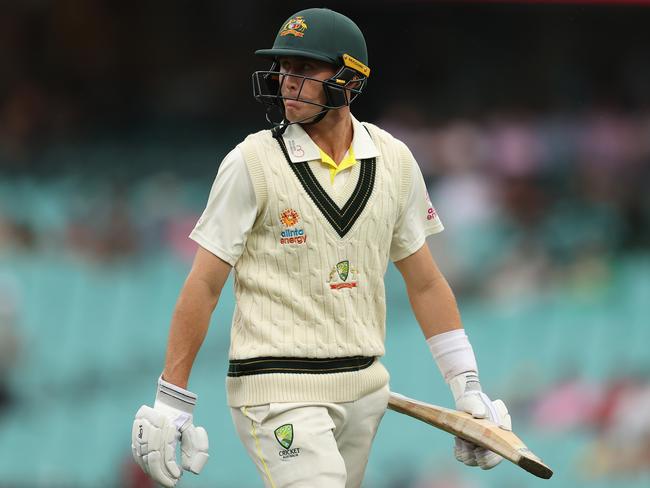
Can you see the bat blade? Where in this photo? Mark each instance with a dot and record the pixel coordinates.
(477, 431)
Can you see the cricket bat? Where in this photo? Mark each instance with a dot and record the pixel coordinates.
(478, 431)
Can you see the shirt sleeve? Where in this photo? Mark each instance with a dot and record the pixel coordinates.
(230, 213)
(419, 219)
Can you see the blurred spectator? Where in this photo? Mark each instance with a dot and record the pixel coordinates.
(617, 411)
(16, 235)
(622, 447)
(104, 229)
(166, 219)
(21, 117)
(9, 338)
(569, 404)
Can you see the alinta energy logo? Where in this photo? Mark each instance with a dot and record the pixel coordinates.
(291, 234)
(295, 26)
(284, 436)
(338, 277)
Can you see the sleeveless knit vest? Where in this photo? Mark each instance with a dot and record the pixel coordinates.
(309, 323)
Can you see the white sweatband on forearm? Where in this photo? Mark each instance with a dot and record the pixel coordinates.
(453, 353)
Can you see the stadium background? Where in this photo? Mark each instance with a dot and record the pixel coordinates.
(531, 122)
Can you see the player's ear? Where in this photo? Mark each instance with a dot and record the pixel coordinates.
(353, 84)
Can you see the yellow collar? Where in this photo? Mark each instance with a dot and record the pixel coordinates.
(348, 161)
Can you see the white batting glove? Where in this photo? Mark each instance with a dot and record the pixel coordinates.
(156, 432)
(470, 398)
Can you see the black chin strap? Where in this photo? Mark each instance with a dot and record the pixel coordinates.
(280, 127)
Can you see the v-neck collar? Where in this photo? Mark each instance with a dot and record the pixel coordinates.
(340, 218)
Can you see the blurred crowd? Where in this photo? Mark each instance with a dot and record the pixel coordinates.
(527, 199)
(611, 410)
(98, 221)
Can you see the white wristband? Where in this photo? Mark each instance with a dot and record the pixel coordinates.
(453, 353)
(170, 395)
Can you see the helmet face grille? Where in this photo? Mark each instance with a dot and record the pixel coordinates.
(340, 90)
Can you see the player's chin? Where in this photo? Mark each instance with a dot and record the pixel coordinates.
(294, 108)
(296, 111)
(295, 115)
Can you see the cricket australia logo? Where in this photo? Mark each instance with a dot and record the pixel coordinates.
(284, 436)
(291, 234)
(338, 277)
(295, 26)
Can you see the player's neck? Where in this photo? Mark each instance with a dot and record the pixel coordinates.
(333, 134)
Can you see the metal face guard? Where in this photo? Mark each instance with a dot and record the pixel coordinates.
(267, 88)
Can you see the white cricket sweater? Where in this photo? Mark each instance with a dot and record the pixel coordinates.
(310, 282)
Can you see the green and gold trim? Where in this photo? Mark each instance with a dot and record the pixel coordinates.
(268, 365)
(356, 65)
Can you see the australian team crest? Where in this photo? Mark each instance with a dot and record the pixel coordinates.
(284, 435)
(338, 277)
(343, 269)
(295, 26)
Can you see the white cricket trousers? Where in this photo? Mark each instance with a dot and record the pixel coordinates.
(312, 444)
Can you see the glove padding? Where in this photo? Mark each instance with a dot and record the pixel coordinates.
(470, 398)
(155, 434)
(194, 449)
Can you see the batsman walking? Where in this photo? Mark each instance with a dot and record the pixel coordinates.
(309, 214)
